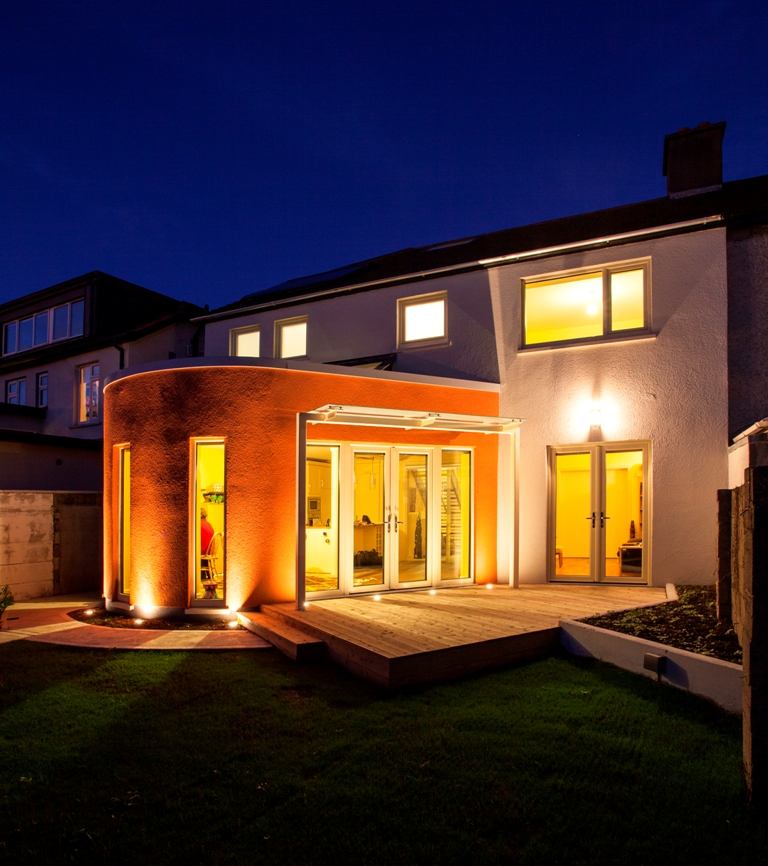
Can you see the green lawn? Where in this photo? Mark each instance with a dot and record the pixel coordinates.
(155, 758)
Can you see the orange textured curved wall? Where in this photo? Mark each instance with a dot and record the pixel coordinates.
(254, 409)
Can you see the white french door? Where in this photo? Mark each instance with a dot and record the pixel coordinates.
(599, 513)
(392, 511)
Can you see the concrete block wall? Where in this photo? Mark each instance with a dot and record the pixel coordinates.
(50, 542)
(26, 542)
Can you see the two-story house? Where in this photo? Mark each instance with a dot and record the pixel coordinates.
(58, 346)
(359, 430)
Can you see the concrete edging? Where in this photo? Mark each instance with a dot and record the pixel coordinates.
(711, 678)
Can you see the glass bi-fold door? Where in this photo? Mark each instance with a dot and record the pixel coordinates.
(391, 518)
(599, 513)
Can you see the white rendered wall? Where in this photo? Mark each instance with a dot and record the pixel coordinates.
(365, 323)
(670, 390)
(61, 417)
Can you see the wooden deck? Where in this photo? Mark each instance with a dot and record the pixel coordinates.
(414, 637)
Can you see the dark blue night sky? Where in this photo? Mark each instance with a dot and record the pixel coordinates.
(209, 150)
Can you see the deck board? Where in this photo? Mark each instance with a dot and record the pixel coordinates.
(414, 637)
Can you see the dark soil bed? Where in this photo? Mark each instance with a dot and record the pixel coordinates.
(121, 620)
(689, 624)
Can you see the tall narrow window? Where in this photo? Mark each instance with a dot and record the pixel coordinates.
(16, 392)
(10, 337)
(89, 393)
(42, 390)
(455, 514)
(208, 521)
(291, 338)
(124, 521)
(245, 342)
(322, 529)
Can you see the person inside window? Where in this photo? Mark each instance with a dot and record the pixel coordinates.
(206, 532)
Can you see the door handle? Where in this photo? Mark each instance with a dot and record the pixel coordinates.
(396, 522)
(592, 518)
(603, 518)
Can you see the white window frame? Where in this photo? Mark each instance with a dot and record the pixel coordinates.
(83, 415)
(19, 387)
(606, 271)
(236, 333)
(416, 300)
(280, 324)
(49, 338)
(41, 387)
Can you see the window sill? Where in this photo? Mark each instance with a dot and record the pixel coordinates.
(418, 345)
(633, 337)
(78, 425)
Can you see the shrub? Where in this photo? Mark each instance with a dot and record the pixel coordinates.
(6, 598)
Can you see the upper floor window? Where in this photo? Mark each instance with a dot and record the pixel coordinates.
(88, 393)
(291, 338)
(42, 390)
(16, 392)
(601, 302)
(47, 326)
(422, 320)
(245, 342)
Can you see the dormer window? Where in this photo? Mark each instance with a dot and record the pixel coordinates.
(46, 326)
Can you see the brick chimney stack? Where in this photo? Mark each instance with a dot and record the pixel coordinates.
(693, 159)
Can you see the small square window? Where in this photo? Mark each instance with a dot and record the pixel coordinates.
(291, 338)
(245, 342)
(423, 320)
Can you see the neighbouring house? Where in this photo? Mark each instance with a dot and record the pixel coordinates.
(359, 430)
(58, 345)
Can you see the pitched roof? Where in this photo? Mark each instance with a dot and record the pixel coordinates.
(737, 202)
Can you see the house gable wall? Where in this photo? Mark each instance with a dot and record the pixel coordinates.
(670, 389)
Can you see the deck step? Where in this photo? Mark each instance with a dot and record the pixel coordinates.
(291, 641)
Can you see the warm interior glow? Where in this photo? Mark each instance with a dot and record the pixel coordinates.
(573, 510)
(209, 519)
(627, 300)
(413, 519)
(565, 308)
(322, 528)
(455, 514)
(623, 510)
(369, 529)
(424, 320)
(247, 344)
(124, 521)
(293, 339)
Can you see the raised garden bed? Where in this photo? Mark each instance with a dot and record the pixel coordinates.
(689, 623)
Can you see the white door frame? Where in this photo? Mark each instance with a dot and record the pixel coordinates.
(597, 452)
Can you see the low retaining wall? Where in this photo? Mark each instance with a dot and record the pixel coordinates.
(711, 678)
